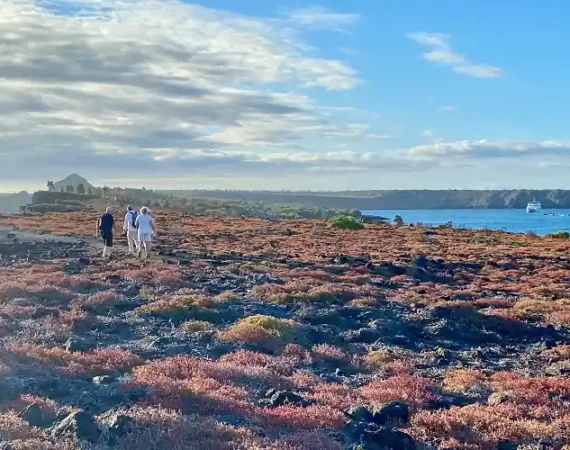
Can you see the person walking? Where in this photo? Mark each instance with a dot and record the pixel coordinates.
(130, 228)
(105, 226)
(146, 231)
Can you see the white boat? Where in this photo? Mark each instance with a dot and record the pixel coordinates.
(533, 206)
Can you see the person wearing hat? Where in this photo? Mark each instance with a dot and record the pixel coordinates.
(130, 228)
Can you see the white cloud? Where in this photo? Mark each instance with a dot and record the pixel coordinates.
(91, 84)
(428, 133)
(487, 149)
(159, 89)
(442, 53)
(322, 18)
(378, 136)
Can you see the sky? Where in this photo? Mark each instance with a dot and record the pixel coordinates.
(285, 94)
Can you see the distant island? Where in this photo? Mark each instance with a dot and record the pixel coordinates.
(396, 199)
(74, 192)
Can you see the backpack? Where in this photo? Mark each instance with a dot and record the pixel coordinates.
(134, 215)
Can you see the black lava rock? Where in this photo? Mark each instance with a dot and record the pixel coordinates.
(104, 379)
(391, 413)
(79, 424)
(33, 415)
(359, 414)
(77, 345)
(281, 398)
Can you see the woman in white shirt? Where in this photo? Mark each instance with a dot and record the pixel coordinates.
(146, 229)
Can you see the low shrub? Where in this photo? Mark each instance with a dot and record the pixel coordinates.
(346, 223)
(195, 326)
(466, 381)
(409, 388)
(296, 353)
(365, 302)
(14, 427)
(12, 290)
(97, 362)
(327, 352)
(101, 302)
(378, 358)
(160, 429)
(180, 307)
(309, 418)
(310, 440)
(268, 332)
(563, 235)
(314, 296)
(483, 427)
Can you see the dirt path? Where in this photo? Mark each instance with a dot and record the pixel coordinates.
(27, 242)
(19, 242)
(8, 234)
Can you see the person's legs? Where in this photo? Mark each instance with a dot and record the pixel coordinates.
(104, 237)
(145, 244)
(130, 241)
(108, 244)
(133, 244)
(141, 249)
(135, 237)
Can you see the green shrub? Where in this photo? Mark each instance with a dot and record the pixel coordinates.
(560, 235)
(270, 333)
(346, 223)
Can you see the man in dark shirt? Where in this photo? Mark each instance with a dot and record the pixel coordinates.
(105, 226)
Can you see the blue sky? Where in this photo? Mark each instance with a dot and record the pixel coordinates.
(285, 95)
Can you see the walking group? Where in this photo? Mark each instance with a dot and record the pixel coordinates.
(138, 225)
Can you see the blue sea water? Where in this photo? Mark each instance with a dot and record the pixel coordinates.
(512, 220)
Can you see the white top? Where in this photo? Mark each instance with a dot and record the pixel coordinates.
(144, 224)
(128, 225)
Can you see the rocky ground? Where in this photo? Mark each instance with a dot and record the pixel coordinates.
(250, 334)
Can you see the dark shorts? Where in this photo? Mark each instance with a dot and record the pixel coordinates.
(107, 237)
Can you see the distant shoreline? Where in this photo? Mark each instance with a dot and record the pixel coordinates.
(403, 200)
(396, 199)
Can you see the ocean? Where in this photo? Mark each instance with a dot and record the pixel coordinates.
(512, 220)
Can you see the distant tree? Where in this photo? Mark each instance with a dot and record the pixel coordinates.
(81, 188)
(89, 190)
(61, 189)
(69, 188)
(105, 191)
(23, 208)
(50, 186)
(398, 221)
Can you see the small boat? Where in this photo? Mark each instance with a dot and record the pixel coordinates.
(533, 206)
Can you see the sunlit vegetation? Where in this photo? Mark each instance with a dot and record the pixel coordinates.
(251, 334)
